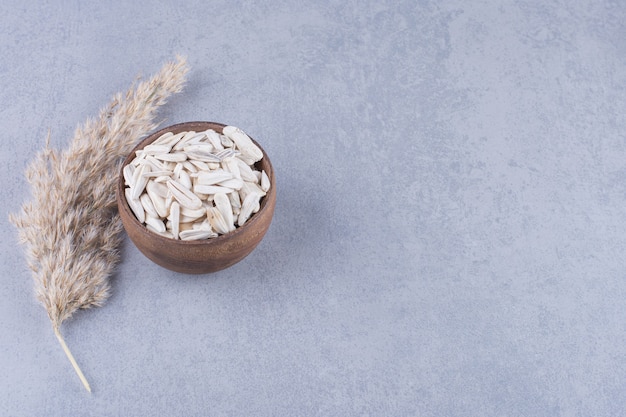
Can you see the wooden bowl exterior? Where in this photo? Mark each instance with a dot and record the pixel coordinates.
(205, 256)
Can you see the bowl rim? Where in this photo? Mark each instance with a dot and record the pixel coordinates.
(123, 203)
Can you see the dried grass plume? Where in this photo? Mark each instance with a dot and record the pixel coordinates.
(70, 228)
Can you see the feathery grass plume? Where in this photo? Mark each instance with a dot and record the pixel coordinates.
(71, 229)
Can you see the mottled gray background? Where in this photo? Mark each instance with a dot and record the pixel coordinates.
(449, 237)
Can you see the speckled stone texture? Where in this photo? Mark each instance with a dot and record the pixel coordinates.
(449, 234)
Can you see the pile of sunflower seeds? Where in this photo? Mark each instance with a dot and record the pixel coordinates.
(196, 185)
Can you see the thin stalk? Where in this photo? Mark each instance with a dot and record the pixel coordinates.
(72, 360)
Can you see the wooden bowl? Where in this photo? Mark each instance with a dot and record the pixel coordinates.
(200, 256)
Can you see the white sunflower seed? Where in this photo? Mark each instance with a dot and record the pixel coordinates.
(140, 180)
(246, 172)
(204, 225)
(265, 181)
(218, 223)
(156, 149)
(235, 203)
(213, 177)
(203, 156)
(155, 223)
(232, 166)
(222, 203)
(184, 195)
(250, 187)
(166, 233)
(214, 139)
(233, 183)
(175, 219)
(247, 207)
(163, 139)
(148, 206)
(226, 141)
(193, 213)
(244, 143)
(184, 179)
(155, 174)
(182, 140)
(211, 189)
(226, 154)
(128, 174)
(196, 234)
(189, 166)
(135, 206)
(157, 201)
(200, 165)
(171, 157)
(191, 219)
(199, 137)
(203, 147)
(156, 164)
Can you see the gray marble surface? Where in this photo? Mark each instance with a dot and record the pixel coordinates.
(449, 237)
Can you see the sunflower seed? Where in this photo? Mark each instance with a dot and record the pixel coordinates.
(265, 181)
(156, 149)
(128, 174)
(248, 188)
(226, 141)
(166, 233)
(211, 189)
(218, 223)
(157, 200)
(202, 155)
(199, 137)
(182, 140)
(246, 172)
(214, 139)
(135, 206)
(226, 154)
(222, 203)
(193, 213)
(148, 206)
(156, 223)
(198, 147)
(232, 166)
(235, 203)
(156, 164)
(171, 157)
(233, 183)
(199, 234)
(213, 177)
(140, 180)
(163, 139)
(189, 166)
(184, 179)
(184, 195)
(162, 179)
(175, 219)
(200, 165)
(247, 207)
(248, 149)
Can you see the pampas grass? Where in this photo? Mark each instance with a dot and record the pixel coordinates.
(70, 229)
